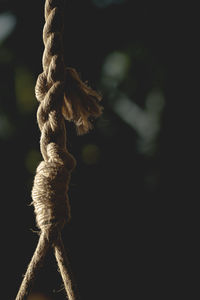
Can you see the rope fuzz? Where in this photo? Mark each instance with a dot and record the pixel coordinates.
(62, 95)
(81, 102)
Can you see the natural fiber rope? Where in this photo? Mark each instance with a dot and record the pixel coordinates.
(61, 94)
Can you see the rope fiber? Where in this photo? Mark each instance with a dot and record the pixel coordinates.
(62, 95)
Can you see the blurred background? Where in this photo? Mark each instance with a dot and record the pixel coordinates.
(132, 184)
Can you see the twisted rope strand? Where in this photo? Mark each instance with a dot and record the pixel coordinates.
(33, 267)
(61, 94)
(64, 267)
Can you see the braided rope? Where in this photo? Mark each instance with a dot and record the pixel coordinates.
(61, 94)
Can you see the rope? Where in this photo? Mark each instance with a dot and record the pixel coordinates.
(62, 95)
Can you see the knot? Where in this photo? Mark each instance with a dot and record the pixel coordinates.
(80, 103)
(49, 194)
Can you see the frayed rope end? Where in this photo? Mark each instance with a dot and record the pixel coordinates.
(81, 103)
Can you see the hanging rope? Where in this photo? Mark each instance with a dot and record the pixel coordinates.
(61, 94)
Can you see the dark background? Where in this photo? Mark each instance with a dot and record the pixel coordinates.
(131, 191)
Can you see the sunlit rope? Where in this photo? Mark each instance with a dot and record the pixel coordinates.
(61, 94)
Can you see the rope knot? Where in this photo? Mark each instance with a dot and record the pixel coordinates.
(49, 194)
(80, 103)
